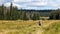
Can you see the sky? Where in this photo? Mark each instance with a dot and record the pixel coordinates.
(33, 4)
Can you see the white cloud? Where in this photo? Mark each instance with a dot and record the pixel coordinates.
(8, 4)
(38, 3)
(34, 3)
(22, 0)
(26, 3)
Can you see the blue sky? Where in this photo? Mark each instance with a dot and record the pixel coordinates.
(33, 4)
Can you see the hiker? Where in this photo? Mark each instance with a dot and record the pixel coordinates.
(39, 23)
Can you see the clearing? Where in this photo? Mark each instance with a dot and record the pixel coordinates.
(24, 27)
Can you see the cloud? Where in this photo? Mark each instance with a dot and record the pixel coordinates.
(8, 4)
(39, 3)
(22, 0)
(33, 4)
(29, 3)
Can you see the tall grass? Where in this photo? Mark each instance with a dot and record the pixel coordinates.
(18, 27)
(54, 28)
(29, 27)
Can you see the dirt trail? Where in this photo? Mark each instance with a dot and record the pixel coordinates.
(39, 31)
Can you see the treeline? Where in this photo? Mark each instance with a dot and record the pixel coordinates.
(12, 13)
(55, 15)
(42, 13)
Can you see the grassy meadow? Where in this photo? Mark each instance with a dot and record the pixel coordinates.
(29, 27)
(53, 28)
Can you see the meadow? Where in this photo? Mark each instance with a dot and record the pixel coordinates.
(29, 27)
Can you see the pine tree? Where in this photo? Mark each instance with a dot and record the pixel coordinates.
(35, 16)
(2, 12)
(14, 13)
(25, 16)
(10, 12)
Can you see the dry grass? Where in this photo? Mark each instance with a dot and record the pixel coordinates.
(18, 27)
(24, 27)
(53, 28)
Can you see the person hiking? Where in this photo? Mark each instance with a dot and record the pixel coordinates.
(39, 23)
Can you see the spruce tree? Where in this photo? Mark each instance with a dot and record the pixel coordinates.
(35, 16)
(2, 12)
(11, 10)
(25, 16)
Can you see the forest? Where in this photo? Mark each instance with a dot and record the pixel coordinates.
(13, 13)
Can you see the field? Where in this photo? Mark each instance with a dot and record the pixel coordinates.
(29, 27)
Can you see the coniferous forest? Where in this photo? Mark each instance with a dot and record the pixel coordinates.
(13, 13)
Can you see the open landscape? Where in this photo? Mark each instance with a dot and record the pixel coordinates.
(29, 27)
(29, 16)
